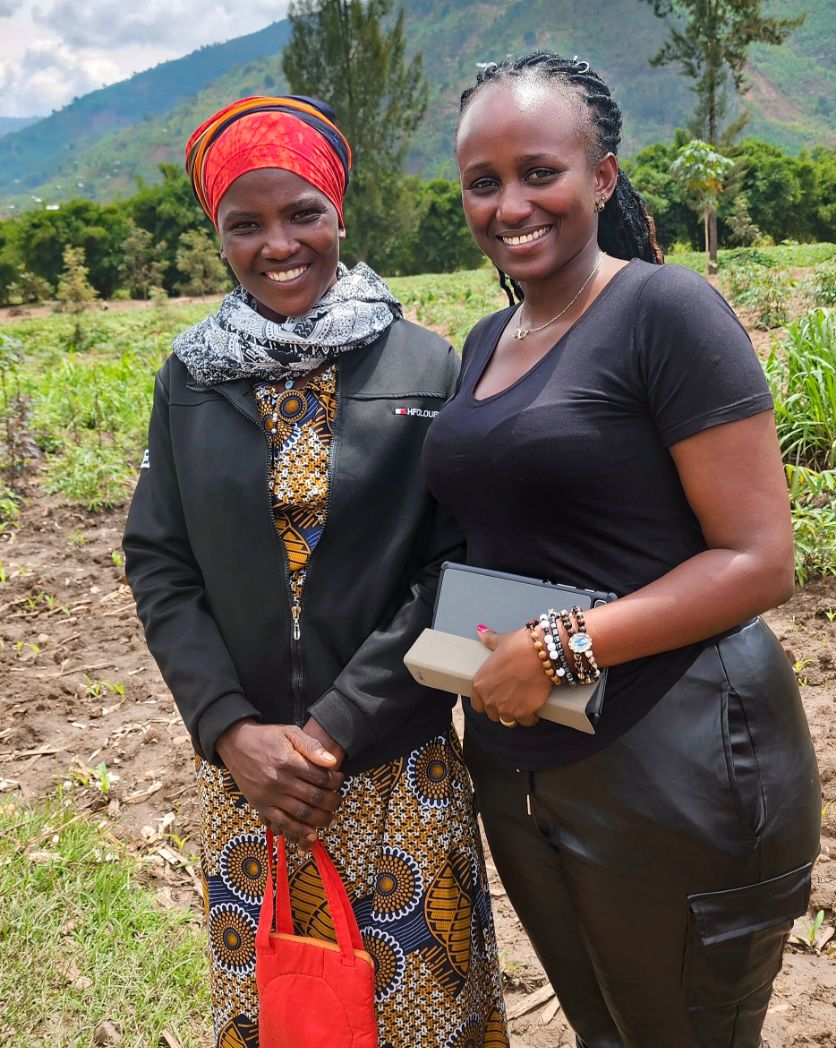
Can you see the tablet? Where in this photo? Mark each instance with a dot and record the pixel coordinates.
(468, 596)
(448, 655)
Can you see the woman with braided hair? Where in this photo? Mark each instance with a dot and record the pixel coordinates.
(612, 430)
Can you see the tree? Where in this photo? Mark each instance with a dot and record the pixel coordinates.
(666, 200)
(770, 182)
(142, 266)
(167, 210)
(338, 51)
(198, 262)
(97, 228)
(440, 241)
(28, 287)
(75, 293)
(701, 171)
(710, 41)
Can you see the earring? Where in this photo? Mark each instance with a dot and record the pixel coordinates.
(600, 205)
(221, 254)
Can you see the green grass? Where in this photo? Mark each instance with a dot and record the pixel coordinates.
(813, 501)
(81, 940)
(801, 371)
(88, 409)
(784, 256)
(451, 303)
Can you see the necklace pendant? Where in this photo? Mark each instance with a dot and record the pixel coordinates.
(520, 334)
(288, 384)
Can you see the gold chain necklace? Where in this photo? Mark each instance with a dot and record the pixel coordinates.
(522, 332)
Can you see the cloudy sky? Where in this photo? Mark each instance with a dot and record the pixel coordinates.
(52, 50)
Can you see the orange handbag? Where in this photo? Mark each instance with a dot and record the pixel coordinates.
(312, 993)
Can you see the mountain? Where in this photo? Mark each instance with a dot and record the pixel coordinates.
(102, 142)
(15, 123)
(56, 145)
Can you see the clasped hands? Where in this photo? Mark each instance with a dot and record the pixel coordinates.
(290, 775)
(510, 686)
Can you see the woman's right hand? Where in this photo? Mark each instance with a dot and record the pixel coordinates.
(287, 776)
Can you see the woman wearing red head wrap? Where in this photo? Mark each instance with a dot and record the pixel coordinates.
(283, 552)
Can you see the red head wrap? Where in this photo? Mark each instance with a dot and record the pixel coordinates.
(292, 133)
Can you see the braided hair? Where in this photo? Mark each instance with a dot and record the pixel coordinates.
(625, 229)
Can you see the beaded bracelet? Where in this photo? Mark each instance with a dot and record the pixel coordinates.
(554, 633)
(580, 644)
(553, 650)
(542, 654)
(568, 625)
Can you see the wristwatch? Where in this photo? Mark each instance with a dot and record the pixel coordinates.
(580, 644)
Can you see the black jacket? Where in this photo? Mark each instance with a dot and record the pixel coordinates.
(209, 572)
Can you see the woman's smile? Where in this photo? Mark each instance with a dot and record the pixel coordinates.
(285, 276)
(525, 238)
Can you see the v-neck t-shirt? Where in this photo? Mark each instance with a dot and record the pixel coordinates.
(566, 474)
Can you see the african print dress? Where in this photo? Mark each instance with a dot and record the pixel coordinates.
(405, 838)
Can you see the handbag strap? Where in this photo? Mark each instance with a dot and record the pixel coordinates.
(342, 915)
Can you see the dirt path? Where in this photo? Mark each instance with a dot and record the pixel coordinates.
(77, 688)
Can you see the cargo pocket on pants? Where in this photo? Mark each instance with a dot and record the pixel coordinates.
(733, 953)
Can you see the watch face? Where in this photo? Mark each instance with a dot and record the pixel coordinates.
(580, 643)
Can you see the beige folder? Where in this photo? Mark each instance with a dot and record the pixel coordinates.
(449, 663)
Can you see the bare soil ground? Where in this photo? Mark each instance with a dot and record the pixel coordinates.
(77, 688)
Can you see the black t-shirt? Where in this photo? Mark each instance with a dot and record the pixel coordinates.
(566, 474)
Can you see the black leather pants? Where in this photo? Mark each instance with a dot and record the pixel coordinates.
(658, 879)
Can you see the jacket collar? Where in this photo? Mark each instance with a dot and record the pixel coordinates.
(239, 392)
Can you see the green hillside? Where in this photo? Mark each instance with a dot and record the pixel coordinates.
(15, 123)
(111, 167)
(58, 144)
(790, 101)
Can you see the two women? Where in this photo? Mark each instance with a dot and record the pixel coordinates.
(283, 549)
(613, 430)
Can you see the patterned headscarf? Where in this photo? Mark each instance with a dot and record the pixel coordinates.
(291, 132)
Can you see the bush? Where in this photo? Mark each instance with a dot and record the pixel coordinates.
(801, 372)
(28, 288)
(813, 501)
(764, 292)
(90, 473)
(752, 256)
(820, 285)
(9, 508)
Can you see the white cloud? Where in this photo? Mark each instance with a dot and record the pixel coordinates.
(179, 24)
(52, 51)
(49, 74)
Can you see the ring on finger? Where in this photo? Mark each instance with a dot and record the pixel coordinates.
(507, 723)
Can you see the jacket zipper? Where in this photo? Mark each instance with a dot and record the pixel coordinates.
(295, 606)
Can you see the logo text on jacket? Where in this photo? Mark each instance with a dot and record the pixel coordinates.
(415, 412)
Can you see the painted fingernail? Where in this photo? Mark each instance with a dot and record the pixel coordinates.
(482, 629)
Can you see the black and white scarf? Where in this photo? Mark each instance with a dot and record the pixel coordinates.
(237, 342)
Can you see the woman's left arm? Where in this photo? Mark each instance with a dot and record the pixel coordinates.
(733, 479)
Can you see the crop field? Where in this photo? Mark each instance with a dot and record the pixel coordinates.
(101, 928)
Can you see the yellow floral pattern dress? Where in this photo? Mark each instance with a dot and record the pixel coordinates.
(405, 840)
